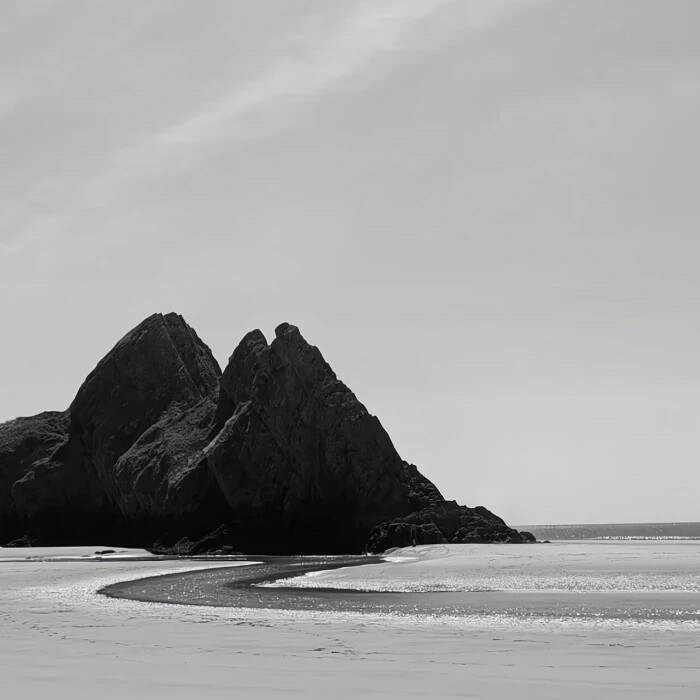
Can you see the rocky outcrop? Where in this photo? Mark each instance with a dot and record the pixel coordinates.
(115, 464)
(29, 470)
(154, 373)
(275, 455)
(445, 523)
(301, 462)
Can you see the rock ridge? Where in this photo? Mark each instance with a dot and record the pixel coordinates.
(161, 449)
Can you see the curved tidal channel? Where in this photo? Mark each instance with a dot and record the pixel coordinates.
(239, 587)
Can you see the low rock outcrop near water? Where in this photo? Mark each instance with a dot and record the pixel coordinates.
(444, 523)
(160, 449)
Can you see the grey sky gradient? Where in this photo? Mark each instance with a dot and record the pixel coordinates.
(485, 213)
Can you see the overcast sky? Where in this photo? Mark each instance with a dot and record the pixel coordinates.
(484, 212)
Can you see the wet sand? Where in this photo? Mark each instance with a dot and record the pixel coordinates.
(240, 588)
(59, 637)
(237, 587)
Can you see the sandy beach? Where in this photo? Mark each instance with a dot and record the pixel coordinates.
(398, 297)
(58, 636)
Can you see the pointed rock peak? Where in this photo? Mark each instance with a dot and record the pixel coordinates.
(160, 330)
(239, 374)
(254, 338)
(163, 355)
(171, 323)
(290, 337)
(292, 348)
(253, 343)
(159, 319)
(148, 324)
(172, 316)
(176, 323)
(149, 320)
(159, 324)
(286, 330)
(151, 325)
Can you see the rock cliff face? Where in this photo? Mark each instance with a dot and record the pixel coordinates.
(140, 416)
(30, 475)
(300, 461)
(159, 449)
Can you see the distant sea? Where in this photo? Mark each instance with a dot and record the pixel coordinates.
(619, 531)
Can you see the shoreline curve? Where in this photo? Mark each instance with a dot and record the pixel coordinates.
(238, 586)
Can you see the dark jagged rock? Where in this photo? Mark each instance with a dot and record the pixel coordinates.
(443, 523)
(26, 443)
(162, 488)
(157, 370)
(116, 464)
(216, 542)
(138, 418)
(276, 455)
(302, 463)
(34, 480)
